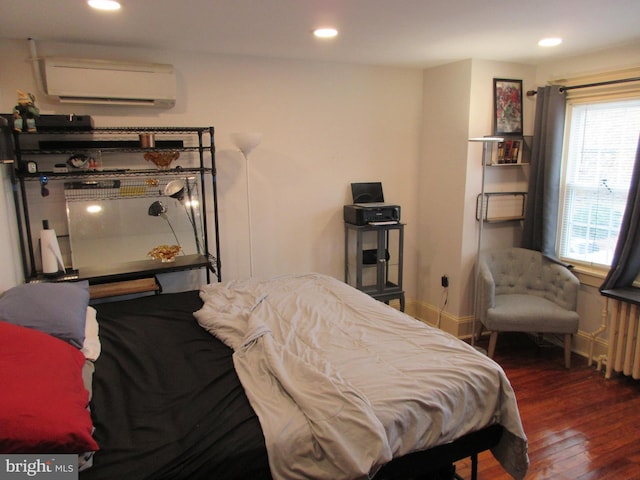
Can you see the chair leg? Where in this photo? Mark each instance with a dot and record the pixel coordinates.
(567, 350)
(492, 344)
(479, 334)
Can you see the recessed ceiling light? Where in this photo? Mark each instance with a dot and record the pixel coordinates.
(550, 42)
(325, 32)
(104, 4)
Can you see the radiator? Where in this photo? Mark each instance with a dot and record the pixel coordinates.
(623, 354)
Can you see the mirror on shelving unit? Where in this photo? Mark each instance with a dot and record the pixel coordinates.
(119, 220)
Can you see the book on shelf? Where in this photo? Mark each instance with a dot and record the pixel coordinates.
(508, 151)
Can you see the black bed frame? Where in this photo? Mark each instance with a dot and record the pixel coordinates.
(441, 458)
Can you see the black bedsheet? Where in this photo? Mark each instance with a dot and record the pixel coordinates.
(167, 403)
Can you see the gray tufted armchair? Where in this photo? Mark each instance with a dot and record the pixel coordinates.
(521, 291)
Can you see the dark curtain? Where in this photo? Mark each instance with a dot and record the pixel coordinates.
(541, 215)
(625, 266)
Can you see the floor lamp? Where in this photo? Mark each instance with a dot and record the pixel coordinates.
(487, 151)
(246, 142)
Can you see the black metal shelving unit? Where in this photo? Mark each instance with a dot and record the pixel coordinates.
(106, 141)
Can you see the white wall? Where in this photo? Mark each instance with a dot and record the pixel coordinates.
(325, 125)
(497, 179)
(10, 266)
(618, 58)
(442, 178)
(458, 101)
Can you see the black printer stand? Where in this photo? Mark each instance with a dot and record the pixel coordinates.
(373, 259)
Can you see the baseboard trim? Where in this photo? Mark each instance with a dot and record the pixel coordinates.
(461, 327)
(432, 315)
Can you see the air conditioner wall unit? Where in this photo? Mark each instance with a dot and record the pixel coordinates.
(73, 80)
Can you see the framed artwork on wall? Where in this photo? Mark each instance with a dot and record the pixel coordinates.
(507, 107)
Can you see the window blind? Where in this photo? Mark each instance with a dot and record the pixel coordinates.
(600, 149)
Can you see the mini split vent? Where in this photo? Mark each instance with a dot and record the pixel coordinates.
(105, 82)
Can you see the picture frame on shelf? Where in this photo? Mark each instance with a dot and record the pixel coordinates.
(507, 106)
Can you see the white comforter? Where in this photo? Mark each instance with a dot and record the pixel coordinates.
(342, 383)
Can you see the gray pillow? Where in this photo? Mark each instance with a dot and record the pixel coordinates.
(58, 309)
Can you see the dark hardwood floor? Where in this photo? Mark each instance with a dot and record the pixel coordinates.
(579, 425)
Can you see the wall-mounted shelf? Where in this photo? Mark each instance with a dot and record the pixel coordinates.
(501, 207)
(510, 151)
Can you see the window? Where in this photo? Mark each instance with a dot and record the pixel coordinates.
(600, 150)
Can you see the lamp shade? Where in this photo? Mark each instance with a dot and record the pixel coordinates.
(175, 189)
(156, 209)
(246, 141)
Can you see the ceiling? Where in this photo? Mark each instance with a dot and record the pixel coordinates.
(411, 33)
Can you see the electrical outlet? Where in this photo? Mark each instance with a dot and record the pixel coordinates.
(444, 281)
